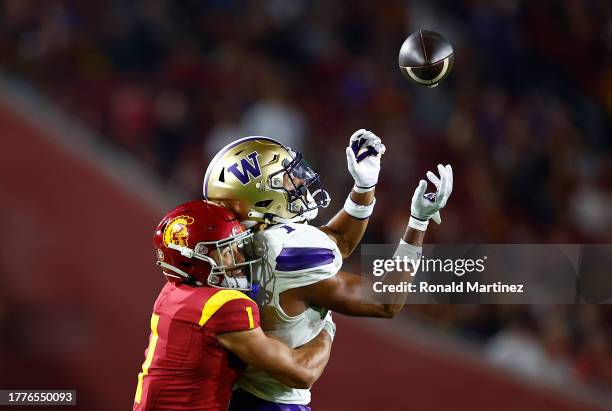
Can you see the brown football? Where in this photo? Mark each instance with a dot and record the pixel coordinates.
(426, 58)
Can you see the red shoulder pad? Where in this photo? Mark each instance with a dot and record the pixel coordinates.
(229, 310)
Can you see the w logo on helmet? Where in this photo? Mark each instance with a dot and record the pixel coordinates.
(248, 168)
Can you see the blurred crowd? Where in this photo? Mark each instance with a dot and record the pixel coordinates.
(524, 118)
(555, 344)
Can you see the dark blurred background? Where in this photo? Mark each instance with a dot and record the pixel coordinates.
(524, 118)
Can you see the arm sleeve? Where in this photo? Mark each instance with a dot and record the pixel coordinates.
(235, 315)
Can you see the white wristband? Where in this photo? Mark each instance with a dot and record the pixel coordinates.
(417, 224)
(358, 211)
(404, 249)
(358, 189)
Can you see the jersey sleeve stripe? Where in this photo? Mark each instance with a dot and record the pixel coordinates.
(249, 311)
(149, 358)
(303, 258)
(214, 303)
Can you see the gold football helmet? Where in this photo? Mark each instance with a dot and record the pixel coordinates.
(264, 181)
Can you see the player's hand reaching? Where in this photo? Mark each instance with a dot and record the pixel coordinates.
(427, 206)
(363, 158)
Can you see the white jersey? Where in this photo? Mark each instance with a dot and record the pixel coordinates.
(294, 255)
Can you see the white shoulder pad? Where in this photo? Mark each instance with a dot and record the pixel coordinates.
(304, 251)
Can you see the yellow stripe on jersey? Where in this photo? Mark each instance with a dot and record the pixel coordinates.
(250, 314)
(214, 303)
(149, 359)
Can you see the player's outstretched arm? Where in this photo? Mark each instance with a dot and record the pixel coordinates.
(363, 157)
(344, 229)
(296, 368)
(343, 293)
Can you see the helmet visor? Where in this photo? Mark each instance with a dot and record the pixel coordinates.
(301, 184)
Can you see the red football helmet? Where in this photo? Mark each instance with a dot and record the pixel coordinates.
(191, 236)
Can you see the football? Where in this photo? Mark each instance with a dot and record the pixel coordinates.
(426, 58)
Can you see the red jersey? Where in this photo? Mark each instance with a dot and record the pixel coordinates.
(185, 367)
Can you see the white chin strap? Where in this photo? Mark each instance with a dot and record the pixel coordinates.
(235, 282)
(182, 275)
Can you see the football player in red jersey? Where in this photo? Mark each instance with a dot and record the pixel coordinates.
(203, 322)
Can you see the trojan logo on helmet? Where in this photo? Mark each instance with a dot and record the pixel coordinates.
(264, 181)
(176, 231)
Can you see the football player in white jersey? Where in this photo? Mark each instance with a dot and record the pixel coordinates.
(273, 189)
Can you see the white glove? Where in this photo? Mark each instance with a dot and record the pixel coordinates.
(363, 159)
(329, 325)
(426, 206)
